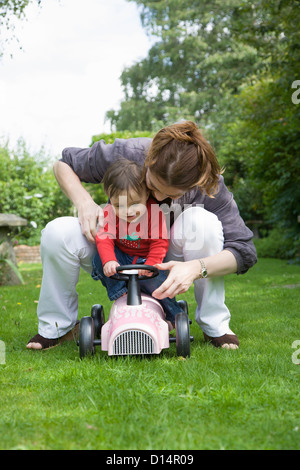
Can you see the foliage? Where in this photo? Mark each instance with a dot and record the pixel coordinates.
(259, 150)
(196, 59)
(28, 188)
(8, 10)
(275, 245)
(204, 51)
(273, 148)
(127, 134)
(259, 146)
(216, 399)
(13, 7)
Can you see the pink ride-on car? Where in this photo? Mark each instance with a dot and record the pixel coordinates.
(136, 323)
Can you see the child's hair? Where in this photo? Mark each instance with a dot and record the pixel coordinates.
(124, 175)
(182, 157)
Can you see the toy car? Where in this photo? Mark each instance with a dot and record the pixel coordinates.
(136, 324)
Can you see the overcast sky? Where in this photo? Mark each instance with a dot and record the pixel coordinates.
(56, 90)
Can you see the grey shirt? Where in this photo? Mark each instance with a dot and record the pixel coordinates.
(90, 164)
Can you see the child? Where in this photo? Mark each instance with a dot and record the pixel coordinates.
(134, 232)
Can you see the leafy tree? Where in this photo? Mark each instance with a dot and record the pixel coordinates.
(8, 10)
(270, 153)
(13, 7)
(194, 62)
(260, 141)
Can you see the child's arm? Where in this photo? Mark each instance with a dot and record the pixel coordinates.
(105, 241)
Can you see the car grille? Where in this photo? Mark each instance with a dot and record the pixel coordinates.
(133, 342)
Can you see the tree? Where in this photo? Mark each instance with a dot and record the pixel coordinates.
(194, 62)
(8, 10)
(267, 141)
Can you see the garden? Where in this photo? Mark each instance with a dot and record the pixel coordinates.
(216, 399)
(233, 68)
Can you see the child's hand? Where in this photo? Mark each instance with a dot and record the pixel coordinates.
(109, 268)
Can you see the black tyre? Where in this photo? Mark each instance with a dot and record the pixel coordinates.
(183, 344)
(97, 315)
(184, 306)
(86, 337)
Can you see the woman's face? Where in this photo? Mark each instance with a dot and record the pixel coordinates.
(160, 190)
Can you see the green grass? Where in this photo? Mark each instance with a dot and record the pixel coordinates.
(216, 399)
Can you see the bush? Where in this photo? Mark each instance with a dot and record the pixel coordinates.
(110, 138)
(275, 245)
(29, 189)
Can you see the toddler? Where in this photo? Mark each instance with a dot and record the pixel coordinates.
(134, 232)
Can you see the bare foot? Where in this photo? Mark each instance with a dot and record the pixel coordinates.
(34, 346)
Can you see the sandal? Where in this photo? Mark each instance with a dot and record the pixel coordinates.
(220, 341)
(48, 343)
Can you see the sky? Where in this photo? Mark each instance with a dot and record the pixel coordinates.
(55, 91)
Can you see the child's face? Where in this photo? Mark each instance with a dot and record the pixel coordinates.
(130, 206)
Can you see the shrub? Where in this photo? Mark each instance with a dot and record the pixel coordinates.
(28, 188)
(275, 245)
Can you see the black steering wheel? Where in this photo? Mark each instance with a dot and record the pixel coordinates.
(129, 267)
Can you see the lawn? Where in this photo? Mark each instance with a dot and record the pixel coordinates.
(216, 399)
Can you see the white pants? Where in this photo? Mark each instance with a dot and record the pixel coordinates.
(195, 234)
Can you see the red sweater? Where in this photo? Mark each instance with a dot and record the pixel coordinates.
(146, 238)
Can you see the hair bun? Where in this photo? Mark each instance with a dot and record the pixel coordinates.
(181, 156)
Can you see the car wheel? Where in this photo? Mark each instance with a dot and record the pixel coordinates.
(97, 315)
(86, 337)
(182, 326)
(184, 306)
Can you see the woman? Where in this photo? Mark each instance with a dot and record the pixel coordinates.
(208, 239)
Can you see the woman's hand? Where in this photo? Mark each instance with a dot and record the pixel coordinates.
(179, 280)
(89, 215)
(144, 272)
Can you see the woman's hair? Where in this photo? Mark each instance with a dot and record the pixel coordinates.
(182, 157)
(123, 175)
